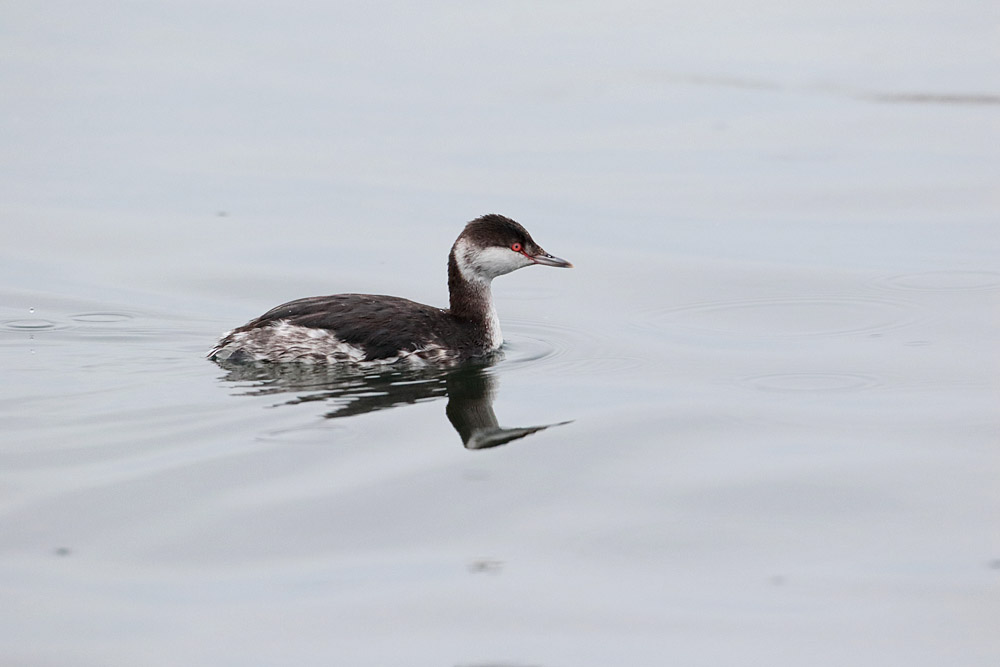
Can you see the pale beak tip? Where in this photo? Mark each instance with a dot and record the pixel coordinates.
(549, 260)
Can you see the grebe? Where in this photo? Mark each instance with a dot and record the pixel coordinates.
(374, 329)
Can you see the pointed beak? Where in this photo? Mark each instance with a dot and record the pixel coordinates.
(545, 259)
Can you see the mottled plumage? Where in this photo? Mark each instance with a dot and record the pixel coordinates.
(376, 329)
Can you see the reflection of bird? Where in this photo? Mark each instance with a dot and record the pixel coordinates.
(470, 411)
(348, 390)
(364, 328)
(470, 391)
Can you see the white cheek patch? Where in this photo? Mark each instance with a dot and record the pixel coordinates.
(498, 261)
(486, 264)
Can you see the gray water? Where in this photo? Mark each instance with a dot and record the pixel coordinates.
(770, 384)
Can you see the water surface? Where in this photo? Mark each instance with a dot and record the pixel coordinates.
(757, 423)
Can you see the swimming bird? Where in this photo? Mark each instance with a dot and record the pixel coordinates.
(367, 329)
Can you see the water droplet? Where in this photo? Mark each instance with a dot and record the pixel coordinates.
(31, 311)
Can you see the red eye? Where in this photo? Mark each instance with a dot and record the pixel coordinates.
(516, 247)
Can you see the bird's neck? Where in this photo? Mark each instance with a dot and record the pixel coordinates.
(471, 300)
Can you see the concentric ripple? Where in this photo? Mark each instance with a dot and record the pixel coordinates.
(32, 324)
(943, 281)
(79, 320)
(101, 317)
(810, 382)
(788, 317)
(537, 346)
